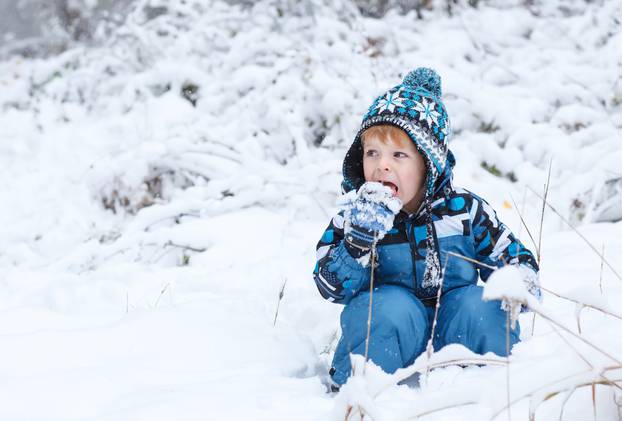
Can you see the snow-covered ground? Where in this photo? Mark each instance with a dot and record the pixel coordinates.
(145, 239)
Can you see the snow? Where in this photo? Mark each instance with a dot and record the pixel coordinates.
(506, 283)
(145, 241)
(361, 207)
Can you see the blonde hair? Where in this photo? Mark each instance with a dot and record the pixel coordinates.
(386, 132)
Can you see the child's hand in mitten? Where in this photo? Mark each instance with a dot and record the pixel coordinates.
(369, 214)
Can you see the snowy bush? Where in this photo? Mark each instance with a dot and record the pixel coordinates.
(164, 177)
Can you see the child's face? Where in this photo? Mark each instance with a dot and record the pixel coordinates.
(395, 163)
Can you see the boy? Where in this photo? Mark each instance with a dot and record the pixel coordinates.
(398, 178)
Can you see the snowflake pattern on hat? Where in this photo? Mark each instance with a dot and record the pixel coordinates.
(415, 106)
(390, 101)
(427, 112)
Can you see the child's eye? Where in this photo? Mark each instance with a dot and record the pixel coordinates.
(370, 152)
(400, 155)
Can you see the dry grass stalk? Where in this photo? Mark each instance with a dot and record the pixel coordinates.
(594, 399)
(524, 224)
(161, 294)
(546, 193)
(566, 399)
(602, 263)
(539, 247)
(421, 368)
(579, 337)
(521, 212)
(371, 297)
(580, 235)
(562, 388)
(507, 368)
(600, 379)
(278, 303)
(442, 408)
(468, 259)
(430, 347)
(595, 307)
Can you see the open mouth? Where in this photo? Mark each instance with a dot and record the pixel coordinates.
(390, 185)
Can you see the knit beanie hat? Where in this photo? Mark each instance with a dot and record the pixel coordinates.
(414, 106)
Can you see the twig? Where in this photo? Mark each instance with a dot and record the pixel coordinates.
(465, 362)
(185, 247)
(442, 408)
(555, 392)
(468, 259)
(600, 281)
(546, 193)
(568, 395)
(331, 341)
(589, 364)
(371, 297)
(161, 294)
(580, 235)
(175, 217)
(609, 312)
(430, 346)
(507, 368)
(594, 399)
(278, 304)
(533, 320)
(522, 211)
(579, 337)
(524, 224)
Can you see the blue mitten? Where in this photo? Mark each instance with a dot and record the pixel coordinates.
(368, 215)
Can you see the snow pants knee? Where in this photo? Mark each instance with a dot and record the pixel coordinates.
(401, 325)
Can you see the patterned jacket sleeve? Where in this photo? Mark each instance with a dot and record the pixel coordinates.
(338, 275)
(495, 245)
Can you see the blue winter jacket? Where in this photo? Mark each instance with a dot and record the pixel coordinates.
(464, 225)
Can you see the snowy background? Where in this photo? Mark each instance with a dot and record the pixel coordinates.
(166, 175)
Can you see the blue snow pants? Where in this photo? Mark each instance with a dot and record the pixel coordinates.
(401, 327)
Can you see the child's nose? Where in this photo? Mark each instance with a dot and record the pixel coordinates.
(384, 164)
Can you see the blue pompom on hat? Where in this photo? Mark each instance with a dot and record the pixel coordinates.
(424, 78)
